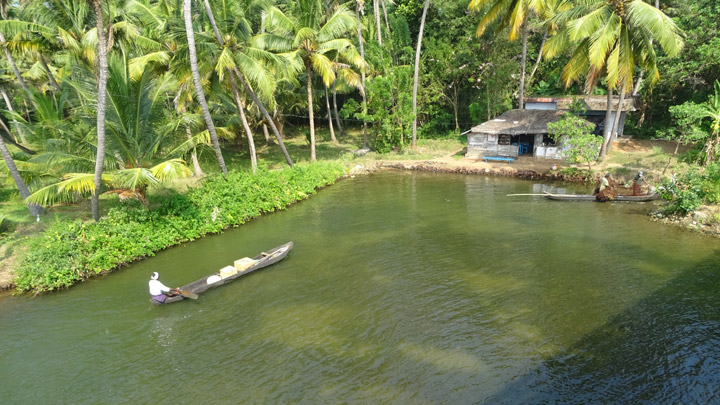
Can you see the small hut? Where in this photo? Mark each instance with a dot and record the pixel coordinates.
(515, 133)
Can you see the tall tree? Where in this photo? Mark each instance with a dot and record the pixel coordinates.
(187, 11)
(376, 12)
(313, 41)
(15, 174)
(102, 50)
(512, 13)
(417, 71)
(611, 38)
(358, 6)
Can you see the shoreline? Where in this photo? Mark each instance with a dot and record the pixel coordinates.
(524, 168)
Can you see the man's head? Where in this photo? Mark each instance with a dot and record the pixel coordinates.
(154, 276)
(607, 175)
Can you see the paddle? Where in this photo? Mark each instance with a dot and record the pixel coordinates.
(188, 294)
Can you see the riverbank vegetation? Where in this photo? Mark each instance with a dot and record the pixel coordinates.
(71, 250)
(140, 97)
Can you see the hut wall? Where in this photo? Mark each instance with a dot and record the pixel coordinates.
(479, 145)
(548, 152)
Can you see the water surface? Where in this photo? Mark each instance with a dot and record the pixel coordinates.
(402, 288)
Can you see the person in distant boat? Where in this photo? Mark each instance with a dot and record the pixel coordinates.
(159, 291)
(604, 192)
(637, 184)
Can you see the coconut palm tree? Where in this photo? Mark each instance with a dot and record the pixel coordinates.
(611, 38)
(187, 14)
(313, 41)
(359, 4)
(513, 14)
(417, 70)
(15, 174)
(102, 50)
(251, 60)
(138, 138)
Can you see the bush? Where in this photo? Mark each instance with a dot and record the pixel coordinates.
(684, 194)
(70, 251)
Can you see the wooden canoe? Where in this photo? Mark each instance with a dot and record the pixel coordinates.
(263, 260)
(588, 197)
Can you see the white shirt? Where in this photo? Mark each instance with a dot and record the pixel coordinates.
(157, 288)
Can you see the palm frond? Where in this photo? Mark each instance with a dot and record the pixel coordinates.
(134, 178)
(324, 67)
(136, 66)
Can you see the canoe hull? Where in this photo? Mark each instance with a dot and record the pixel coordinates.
(264, 259)
(588, 197)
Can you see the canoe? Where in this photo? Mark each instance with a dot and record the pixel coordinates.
(588, 197)
(263, 260)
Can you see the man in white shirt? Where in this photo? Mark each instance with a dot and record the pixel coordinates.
(159, 291)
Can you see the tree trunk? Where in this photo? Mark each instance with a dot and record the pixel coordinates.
(265, 114)
(239, 105)
(376, 11)
(337, 115)
(101, 100)
(11, 61)
(329, 113)
(387, 22)
(10, 108)
(362, 73)
(198, 85)
(188, 133)
(417, 71)
(523, 61)
(310, 111)
(539, 58)
(241, 111)
(22, 188)
(608, 118)
(49, 74)
(616, 123)
(268, 141)
(456, 101)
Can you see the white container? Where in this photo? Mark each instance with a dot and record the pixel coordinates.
(244, 263)
(227, 271)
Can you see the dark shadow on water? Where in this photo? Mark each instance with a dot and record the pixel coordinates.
(664, 349)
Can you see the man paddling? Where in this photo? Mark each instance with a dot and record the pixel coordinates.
(159, 291)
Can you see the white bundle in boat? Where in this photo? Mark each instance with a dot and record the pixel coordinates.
(227, 271)
(244, 263)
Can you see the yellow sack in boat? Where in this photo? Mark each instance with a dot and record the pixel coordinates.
(244, 263)
(227, 271)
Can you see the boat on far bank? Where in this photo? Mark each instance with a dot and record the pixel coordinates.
(229, 274)
(589, 197)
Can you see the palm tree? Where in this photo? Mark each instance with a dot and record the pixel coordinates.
(376, 12)
(417, 70)
(512, 13)
(12, 168)
(8, 55)
(187, 10)
(313, 41)
(101, 97)
(358, 5)
(611, 38)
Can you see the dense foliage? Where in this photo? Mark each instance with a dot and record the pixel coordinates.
(73, 250)
(689, 191)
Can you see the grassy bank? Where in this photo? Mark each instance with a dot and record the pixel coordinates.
(72, 250)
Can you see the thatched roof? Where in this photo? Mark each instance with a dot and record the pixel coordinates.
(519, 122)
(592, 103)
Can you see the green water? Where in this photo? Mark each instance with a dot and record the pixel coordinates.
(401, 288)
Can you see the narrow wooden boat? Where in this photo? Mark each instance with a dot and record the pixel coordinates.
(215, 280)
(588, 197)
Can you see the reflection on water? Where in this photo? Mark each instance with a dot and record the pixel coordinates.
(402, 287)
